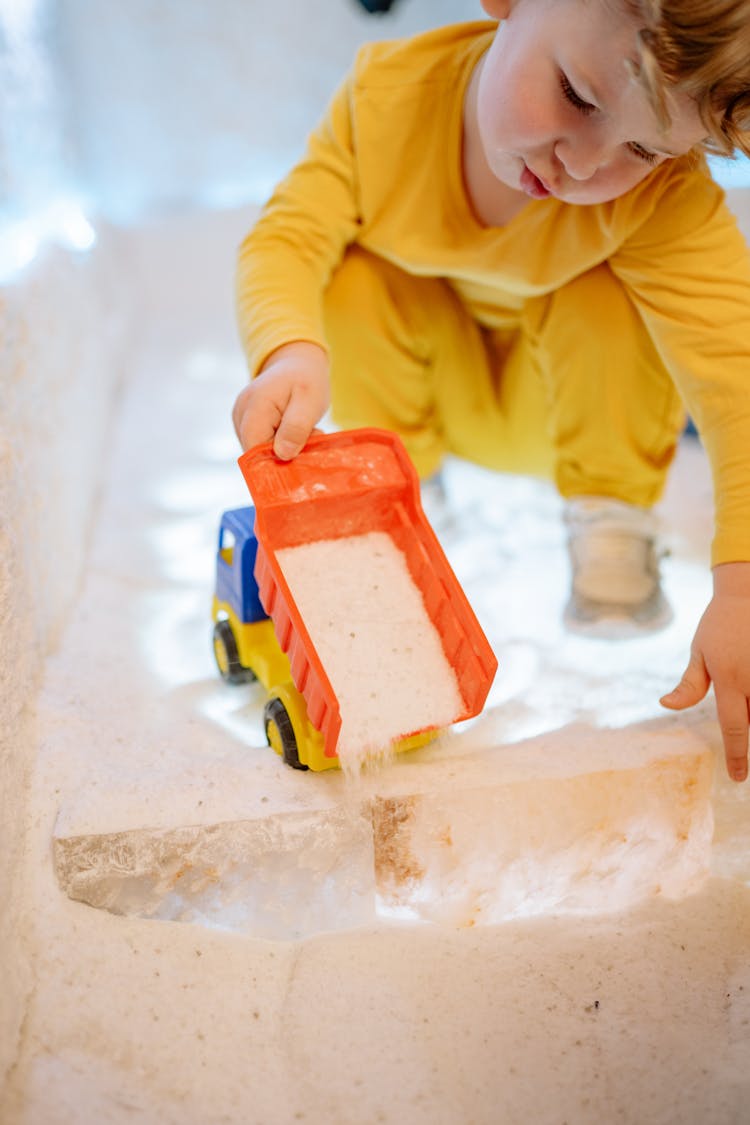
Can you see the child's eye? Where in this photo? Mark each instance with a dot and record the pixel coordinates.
(643, 153)
(575, 99)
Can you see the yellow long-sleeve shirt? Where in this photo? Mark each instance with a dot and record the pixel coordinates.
(384, 170)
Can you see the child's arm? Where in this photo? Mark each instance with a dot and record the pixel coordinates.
(286, 399)
(284, 267)
(687, 269)
(720, 653)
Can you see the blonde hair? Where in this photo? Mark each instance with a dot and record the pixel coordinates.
(702, 48)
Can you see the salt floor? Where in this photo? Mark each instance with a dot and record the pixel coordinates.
(543, 917)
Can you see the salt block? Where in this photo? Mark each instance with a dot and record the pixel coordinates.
(580, 820)
(283, 877)
(623, 825)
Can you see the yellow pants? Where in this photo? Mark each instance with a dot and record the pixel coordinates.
(574, 391)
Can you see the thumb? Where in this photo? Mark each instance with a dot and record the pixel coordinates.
(692, 687)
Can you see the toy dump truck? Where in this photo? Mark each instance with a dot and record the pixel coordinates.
(340, 487)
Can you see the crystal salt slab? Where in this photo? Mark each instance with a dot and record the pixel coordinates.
(615, 817)
(582, 820)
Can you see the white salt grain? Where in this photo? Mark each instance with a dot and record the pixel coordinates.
(371, 630)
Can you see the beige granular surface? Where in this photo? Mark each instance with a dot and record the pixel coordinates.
(370, 627)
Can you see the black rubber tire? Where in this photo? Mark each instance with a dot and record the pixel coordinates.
(276, 713)
(227, 657)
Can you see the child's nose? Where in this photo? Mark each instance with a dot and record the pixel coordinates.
(580, 156)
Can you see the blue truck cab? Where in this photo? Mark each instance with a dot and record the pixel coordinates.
(236, 587)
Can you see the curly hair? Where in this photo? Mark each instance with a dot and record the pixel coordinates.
(701, 48)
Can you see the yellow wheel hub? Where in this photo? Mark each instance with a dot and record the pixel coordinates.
(222, 659)
(274, 738)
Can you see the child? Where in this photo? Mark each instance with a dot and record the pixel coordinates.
(503, 243)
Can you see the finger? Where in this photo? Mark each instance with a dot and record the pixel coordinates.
(692, 687)
(255, 418)
(238, 410)
(731, 708)
(295, 426)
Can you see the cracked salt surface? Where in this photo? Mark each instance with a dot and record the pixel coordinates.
(570, 793)
(158, 750)
(369, 625)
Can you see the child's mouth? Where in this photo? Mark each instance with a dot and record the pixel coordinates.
(532, 185)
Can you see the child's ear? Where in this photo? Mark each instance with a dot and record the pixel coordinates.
(497, 9)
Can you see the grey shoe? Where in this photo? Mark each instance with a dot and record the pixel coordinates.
(616, 586)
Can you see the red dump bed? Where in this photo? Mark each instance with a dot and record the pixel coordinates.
(346, 484)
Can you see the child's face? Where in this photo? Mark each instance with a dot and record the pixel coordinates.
(558, 111)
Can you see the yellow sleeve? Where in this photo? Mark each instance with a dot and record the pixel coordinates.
(287, 259)
(688, 271)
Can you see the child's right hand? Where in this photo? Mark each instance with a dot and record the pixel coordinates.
(285, 400)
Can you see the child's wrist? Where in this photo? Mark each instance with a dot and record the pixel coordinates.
(732, 578)
(303, 352)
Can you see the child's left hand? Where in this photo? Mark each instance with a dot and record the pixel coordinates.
(720, 653)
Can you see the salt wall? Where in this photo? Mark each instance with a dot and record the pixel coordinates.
(62, 343)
